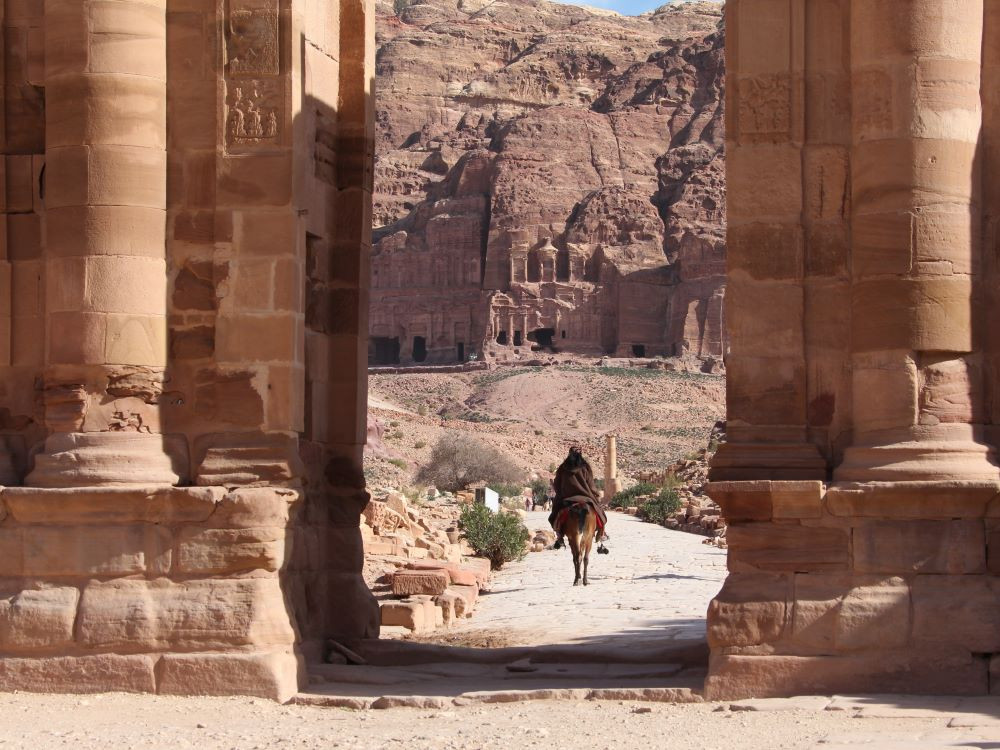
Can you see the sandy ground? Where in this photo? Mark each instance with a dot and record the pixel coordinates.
(123, 721)
(655, 585)
(534, 413)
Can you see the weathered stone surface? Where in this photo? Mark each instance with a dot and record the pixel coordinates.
(200, 614)
(79, 674)
(750, 610)
(848, 613)
(111, 505)
(787, 547)
(947, 547)
(940, 673)
(270, 674)
(407, 614)
(227, 551)
(407, 582)
(97, 551)
(37, 619)
(966, 604)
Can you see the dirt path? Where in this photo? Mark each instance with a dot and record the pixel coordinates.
(655, 585)
(47, 722)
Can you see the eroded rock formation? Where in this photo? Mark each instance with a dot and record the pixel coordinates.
(547, 176)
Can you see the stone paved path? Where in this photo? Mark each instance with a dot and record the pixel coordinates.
(655, 584)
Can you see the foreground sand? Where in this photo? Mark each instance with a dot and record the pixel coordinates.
(124, 721)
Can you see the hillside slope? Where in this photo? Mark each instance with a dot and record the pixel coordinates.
(547, 176)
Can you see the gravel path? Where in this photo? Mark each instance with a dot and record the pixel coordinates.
(654, 585)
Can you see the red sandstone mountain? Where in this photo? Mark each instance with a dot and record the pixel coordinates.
(547, 175)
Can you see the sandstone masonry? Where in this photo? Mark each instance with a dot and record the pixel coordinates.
(860, 480)
(184, 236)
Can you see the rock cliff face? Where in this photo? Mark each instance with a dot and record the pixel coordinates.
(547, 176)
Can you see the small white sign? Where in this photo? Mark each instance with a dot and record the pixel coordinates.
(489, 498)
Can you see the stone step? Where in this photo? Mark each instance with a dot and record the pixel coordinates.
(687, 652)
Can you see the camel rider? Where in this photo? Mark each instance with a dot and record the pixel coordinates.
(574, 482)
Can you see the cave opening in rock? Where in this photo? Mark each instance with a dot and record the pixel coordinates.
(419, 348)
(638, 350)
(517, 338)
(502, 338)
(461, 351)
(543, 337)
(386, 350)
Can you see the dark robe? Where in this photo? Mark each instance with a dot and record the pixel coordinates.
(573, 484)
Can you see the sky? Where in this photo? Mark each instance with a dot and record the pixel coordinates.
(625, 7)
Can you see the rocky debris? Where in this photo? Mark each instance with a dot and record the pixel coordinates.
(423, 574)
(547, 177)
(698, 514)
(542, 539)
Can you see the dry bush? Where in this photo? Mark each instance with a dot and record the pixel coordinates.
(458, 460)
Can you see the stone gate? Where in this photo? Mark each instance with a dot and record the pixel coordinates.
(185, 224)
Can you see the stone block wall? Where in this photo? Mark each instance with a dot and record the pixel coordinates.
(186, 213)
(861, 478)
(845, 589)
(173, 590)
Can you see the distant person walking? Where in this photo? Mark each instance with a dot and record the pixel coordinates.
(574, 482)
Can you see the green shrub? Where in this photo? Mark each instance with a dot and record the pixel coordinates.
(507, 489)
(458, 460)
(398, 462)
(420, 444)
(422, 410)
(626, 498)
(539, 489)
(660, 508)
(499, 537)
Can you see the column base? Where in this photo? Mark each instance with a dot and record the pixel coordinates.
(918, 461)
(775, 461)
(109, 459)
(856, 588)
(175, 590)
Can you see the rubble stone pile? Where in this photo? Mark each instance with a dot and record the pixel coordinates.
(416, 564)
(698, 514)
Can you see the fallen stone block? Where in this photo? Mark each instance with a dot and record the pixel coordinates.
(446, 603)
(457, 574)
(431, 582)
(408, 615)
(480, 566)
(467, 596)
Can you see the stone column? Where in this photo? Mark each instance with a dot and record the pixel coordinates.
(916, 242)
(106, 169)
(610, 468)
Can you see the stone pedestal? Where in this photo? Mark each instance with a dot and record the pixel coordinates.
(172, 591)
(887, 588)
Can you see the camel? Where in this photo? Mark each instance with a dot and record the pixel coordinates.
(580, 528)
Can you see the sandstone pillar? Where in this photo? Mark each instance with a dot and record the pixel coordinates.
(916, 242)
(106, 167)
(610, 468)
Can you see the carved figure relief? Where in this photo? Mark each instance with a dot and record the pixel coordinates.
(765, 105)
(253, 113)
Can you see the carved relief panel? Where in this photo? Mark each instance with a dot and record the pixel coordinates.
(255, 90)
